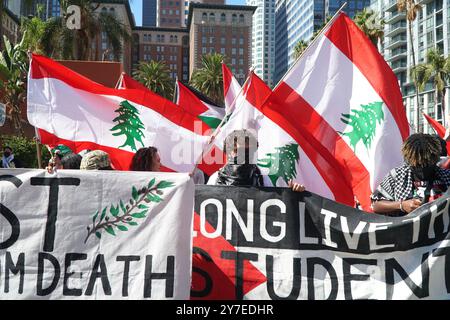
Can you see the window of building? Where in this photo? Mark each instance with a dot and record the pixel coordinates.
(222, 50)
(223, 17)
(241, 18)
(204, 40)
(212, 17)
(203, 50)
(211, 40)
(233, 61)
(241, 51)
(233, 50)
(241, 61)
(233, 41)
(234, 18)
(223, 40)
(204, 16)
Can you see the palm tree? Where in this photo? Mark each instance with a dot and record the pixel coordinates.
(60, 42)
(369, 23)
(411, 9)
(33, 29)
(208, 79)
(13, 74)
(299, 48)
(155, 76)
(437, 70)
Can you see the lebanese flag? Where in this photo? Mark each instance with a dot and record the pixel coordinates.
(70, 109)
(345, 100)
(231, 88)
(210, 114)
(283, 152)
(439, 128)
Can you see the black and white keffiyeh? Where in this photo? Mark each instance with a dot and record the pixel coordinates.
(399, 185)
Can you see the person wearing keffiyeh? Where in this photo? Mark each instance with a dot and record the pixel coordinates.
(419, 180)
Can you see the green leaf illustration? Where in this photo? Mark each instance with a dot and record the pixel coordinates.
(110, 230)
(124, 214)
(114, 211)
(139, 215)
(164, 184)
(103, 214)
(282, 163)
(123, 207)
(129, 125)
(134, 193)
(363, 123)
(95, 217)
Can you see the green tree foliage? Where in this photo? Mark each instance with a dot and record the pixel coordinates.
(59, 42)
(363, 123)
(370, 23)
(129, 125)
(282, 163)
(208, 79)
(299, 48)
(24, 149)
(155, 75)
(437, 71)
(13, 77)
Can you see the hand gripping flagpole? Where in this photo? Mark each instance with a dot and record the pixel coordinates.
(325, 27)
(217, 130)
(37, 140)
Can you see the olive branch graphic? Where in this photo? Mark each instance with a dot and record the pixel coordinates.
(111, 220)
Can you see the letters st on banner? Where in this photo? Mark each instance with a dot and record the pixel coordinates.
(95, 235)
(277, 244)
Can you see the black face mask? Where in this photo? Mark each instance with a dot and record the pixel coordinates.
(425, 173)
(6, 154)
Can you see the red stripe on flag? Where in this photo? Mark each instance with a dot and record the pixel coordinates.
(333, 158)
(129, 83)
(439, 128)
(189, 101)
(42, 67)
(354, 44)
(257, 94)
(121, 159)
(227, 77)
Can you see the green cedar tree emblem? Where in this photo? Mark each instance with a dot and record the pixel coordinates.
(122, 216)
(363, 123)
(129, 124)
(282, 163)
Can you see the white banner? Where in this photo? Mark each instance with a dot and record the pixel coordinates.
(95, 235)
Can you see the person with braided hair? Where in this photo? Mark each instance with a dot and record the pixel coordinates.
(419, 180)
(146, 159)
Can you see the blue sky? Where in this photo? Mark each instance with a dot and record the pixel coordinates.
(136, 7)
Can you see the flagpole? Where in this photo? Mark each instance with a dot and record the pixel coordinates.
(175, 90)
(119, 82)
(216, 131)
(325, 27)
(36, 134)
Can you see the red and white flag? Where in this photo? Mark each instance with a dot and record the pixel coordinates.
(127, 82)
(439, 128)
(283, 154)
(72, 110)
(211, 115)
(345, 100)
(231, 88)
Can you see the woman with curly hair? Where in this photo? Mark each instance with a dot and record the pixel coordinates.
(419, 180)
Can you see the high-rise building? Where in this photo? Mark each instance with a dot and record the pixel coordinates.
(10, 27)
(298, 19)
(224, 29)
(148, 13)
(263, 39)
(430, 30)
(47, 8)
(170, 45)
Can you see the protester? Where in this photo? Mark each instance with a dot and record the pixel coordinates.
(419, 180)
(71, 161)
(96, 160)
(146, 159)
(241, 168)
(8, 160)
(444, 161)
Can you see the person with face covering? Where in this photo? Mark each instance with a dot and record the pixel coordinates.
(241, 170)
(419, 180)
